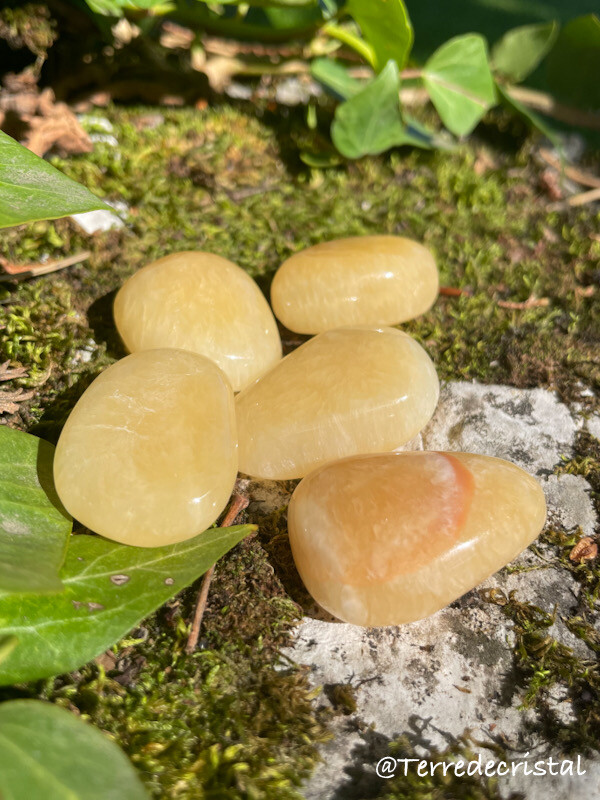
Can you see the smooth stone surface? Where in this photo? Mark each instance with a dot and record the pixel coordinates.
(204, 303)
(348, 391)
(392, 538)
(362, 280)
(148, 455)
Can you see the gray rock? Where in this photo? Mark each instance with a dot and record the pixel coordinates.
(454, 670)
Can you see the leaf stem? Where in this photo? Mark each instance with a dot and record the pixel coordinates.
(352, 40)
(238, 504)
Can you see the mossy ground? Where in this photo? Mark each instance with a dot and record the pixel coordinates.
(232, 721)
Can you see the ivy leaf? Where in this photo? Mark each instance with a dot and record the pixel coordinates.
(47, 752)
(32, 189)
(109, 589)
(386, 27)
(371, 121)
(459, 82)
(520, 50)
(573, 65)
(335, 78)
(34, 526)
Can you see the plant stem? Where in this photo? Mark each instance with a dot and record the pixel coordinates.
(352, 40)
(238, 504)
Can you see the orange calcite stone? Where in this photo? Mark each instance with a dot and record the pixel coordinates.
(148, 455)
(348, 391)
(363, 280)
(391, 538)
(204, 303)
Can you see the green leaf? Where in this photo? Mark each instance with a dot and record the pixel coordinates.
(109, 589)
(7, 645)
(520, 51)
(34, 526)
(47, 752)
(32, 189)
(386, 27)
(535, 120)
(459, 82)
(371, 121)
(334, 77)
(573, 65)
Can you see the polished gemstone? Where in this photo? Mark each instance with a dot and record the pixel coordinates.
(204, 303)
(348, 391)
(363, 280)
(391, 538)
(148, 455)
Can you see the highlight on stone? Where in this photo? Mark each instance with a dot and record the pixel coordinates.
(148, 456)
(344, 392)
(362, 280)
(204, 303)
(392, 538)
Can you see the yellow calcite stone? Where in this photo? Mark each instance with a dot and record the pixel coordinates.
(348, 391)
(148, 456)
(363, 280)
(391, 538)
(204, 303)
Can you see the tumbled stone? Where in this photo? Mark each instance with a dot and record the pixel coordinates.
(362, 280)
(204, 303)
(391, 538)
(348, 391)
(148, 456)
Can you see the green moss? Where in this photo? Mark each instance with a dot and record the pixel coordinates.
(407, 784)
(543, 663)
(233, 720)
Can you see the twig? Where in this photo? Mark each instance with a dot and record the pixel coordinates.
(19, 271)
(549, 106)
(584, 197)
(238, 504)
(454, 291)
(531, 302)
(575, 174)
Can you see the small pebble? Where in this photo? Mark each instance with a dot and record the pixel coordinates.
(392, 538)
(204, 303)
(348, 391)
(148, 456)
(363, 280)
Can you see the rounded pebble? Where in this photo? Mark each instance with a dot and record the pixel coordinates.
(204, 303)
(362, 280)
(348, 391)
(148, 456)
(391, 538)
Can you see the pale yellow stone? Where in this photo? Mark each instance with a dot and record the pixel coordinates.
(148, 455)
(204, 303)
(348, 391)
(363, 280)
(387, 539)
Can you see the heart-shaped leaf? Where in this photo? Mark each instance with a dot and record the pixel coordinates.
(47, 752)
(109, 589)
(520, 50)
(32, 189)
(34, 526)
(335, 77)
(386, 27)
(371, 121)
(459, 82)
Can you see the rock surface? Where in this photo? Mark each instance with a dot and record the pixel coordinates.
(455, 670)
